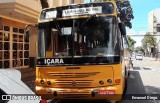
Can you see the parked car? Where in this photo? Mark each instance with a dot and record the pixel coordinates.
(11, 84)
(139, 57)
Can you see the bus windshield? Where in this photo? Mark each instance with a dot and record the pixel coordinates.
(91, 38)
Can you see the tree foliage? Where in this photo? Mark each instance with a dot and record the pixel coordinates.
(139, 49)
(44, 4)
(125, 12)
(131, 43)
(148, 41)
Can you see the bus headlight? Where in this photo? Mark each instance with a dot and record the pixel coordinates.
(42, 81)
(109, 81)
(101, 82)
(48, 82)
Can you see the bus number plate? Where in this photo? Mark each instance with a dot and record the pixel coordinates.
(106, 92)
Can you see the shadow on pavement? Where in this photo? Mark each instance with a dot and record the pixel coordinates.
(134, 83)
(152, 90)
(146, 68)
(136, 68)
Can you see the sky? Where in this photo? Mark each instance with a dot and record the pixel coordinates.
(141, 8)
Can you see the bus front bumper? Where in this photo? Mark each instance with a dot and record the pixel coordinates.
(103, 93)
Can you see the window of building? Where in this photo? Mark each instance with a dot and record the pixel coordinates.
(14, 51)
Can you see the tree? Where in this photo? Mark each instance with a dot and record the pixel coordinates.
(148, 41)
(139, 49)
(131, 43)
(44, 4)
(125, 12)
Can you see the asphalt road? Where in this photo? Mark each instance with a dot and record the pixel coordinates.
(144, 80)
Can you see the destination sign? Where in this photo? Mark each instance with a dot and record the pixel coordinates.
(82, 11)
(77, 10)
(51, 14)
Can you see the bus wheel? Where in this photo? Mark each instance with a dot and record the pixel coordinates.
(125, 86)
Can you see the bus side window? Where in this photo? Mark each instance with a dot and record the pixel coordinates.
(125, 42)
(121, 38)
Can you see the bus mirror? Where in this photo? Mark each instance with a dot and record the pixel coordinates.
(27, 35)
(27, 31)
(122, 28)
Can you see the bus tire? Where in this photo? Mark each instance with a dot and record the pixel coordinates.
(125, 86)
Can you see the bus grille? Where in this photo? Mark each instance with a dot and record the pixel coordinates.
(74, 75)
(76, 96)
(71, 95)
(75, 83)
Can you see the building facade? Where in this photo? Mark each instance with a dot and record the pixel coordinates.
(14, 16)
(56, 3)
(153, 26)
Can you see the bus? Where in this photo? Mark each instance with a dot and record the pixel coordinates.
(82, 53)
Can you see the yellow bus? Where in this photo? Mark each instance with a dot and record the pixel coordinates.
(82, 53)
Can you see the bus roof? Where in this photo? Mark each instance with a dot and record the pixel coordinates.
(78, 11)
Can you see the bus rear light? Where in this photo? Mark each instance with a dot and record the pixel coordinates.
(42, 81)
(109, 81)
(118, 81)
